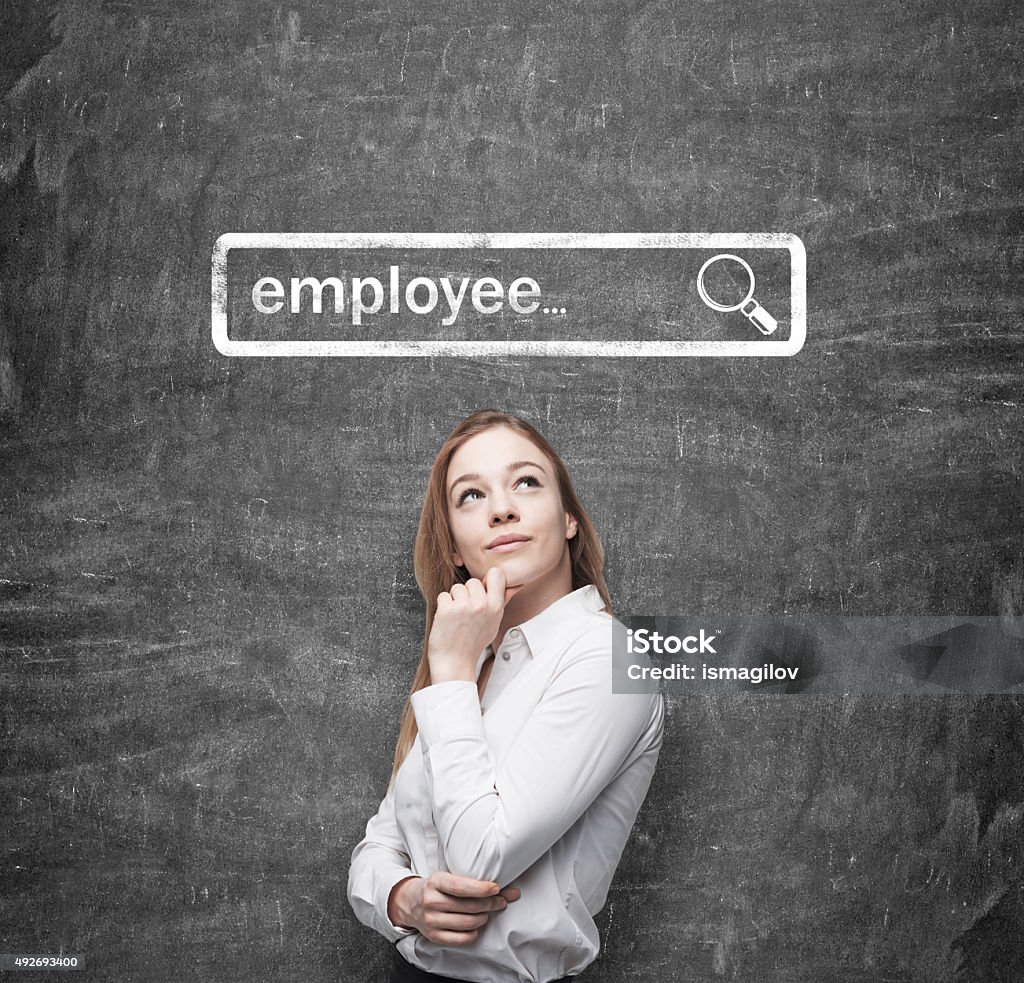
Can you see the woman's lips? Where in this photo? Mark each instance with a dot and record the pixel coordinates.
(508, 547)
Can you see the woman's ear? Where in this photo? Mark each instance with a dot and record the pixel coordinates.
(457, 557)
(571, 526)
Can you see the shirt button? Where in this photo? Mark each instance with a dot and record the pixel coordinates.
(514, 632)
(506, 656)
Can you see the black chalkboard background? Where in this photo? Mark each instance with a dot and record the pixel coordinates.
(208, 617)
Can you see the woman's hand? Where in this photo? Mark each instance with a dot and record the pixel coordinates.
(447, 908)
(467, 619)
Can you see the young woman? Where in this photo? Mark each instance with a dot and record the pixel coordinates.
(505, 820)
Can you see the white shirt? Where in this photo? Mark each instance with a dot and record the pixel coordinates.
(536, 785)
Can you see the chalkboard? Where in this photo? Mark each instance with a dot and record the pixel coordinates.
(208, 618)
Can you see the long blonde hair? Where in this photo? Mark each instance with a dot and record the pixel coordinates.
(434, 564)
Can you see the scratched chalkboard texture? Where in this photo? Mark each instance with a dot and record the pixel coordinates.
(208, 618)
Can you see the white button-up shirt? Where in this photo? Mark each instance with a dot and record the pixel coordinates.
(536, 785)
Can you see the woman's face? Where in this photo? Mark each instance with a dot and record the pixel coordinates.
(505, 509)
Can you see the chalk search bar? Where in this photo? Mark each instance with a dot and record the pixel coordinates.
(365, 297)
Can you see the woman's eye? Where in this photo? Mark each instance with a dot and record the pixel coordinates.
(464, 497)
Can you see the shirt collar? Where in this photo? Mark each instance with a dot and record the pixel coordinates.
(560, 619)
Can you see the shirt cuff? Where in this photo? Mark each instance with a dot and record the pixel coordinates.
(385, 884)
(447, 712)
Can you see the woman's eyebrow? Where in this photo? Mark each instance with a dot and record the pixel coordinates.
(514, 466)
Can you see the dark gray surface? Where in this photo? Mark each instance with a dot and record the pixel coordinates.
(209, 619)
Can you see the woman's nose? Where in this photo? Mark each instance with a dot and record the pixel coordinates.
(502, 512)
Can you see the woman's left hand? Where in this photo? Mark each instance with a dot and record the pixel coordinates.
(467, 619)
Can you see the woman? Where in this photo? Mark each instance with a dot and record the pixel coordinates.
(503, 824)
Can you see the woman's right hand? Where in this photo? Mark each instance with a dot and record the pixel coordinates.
(447, 908)
(466, 621)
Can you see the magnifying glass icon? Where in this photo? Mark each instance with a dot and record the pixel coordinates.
(754, 312)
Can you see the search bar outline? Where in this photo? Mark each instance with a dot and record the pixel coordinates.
(510, 240)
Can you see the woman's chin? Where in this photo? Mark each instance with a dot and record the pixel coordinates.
(516, 572)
